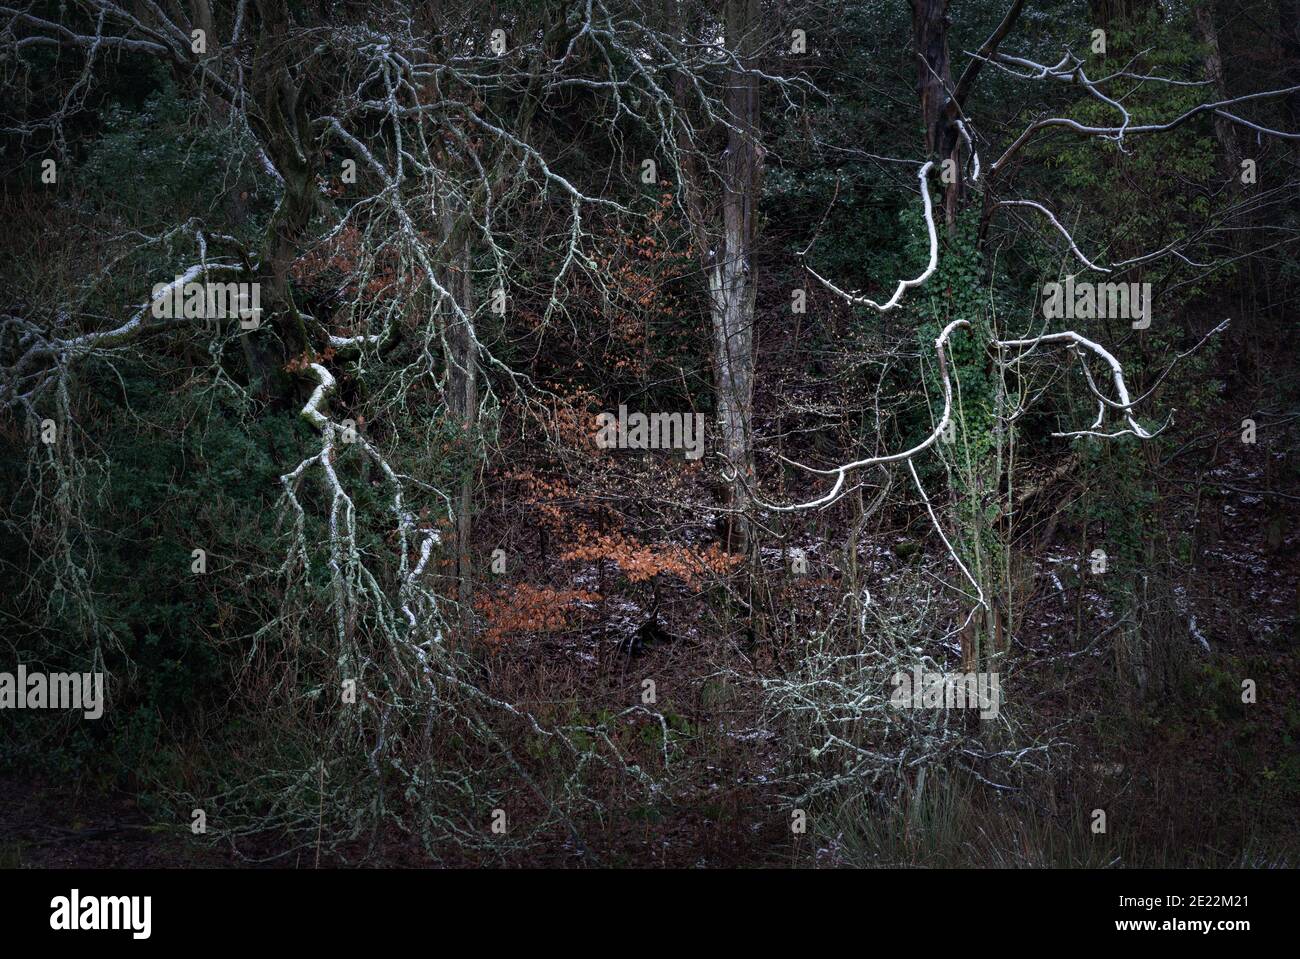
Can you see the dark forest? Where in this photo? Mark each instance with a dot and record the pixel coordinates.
(649, 434)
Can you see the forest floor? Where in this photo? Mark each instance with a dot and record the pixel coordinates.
(1198, 770)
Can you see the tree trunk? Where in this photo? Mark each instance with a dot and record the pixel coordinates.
(731, 278)
(1223, 130)
(1288, 12)
(280, 120)
(462, 368)
(939, 107)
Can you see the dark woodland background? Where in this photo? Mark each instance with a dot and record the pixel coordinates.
(769, 637)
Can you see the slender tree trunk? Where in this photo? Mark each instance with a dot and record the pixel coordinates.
(1288, 12)
(731, 276)
(462, 396)
(1223, 131)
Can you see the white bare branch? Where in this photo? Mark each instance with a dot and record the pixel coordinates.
(857, 299)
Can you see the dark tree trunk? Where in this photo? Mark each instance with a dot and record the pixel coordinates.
(1288, 12)
(939, 108)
